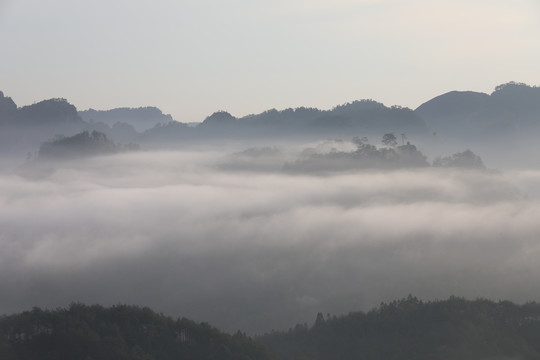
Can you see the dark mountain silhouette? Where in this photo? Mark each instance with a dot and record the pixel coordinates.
(365, 117)
(362, 117)
(512, 110)
(509, 116)
(141, 119)
(83, 332)
(25, 129)
(78, 145)
(454, 329)
(220, 119)
(8, 110)
(50, 112)
(371, 117)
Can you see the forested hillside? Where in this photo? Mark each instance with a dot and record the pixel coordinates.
(455, 329)
(120, 332)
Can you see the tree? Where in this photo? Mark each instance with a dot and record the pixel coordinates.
(319, 320)
(389, 140)
(360, 142)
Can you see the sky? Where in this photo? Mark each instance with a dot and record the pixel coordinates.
(191, 58)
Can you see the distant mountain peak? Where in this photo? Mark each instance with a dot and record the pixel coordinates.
(219, 117)
(51, 110)
(511, 109)
(8, 108)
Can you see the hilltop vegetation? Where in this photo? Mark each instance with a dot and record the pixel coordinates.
(83, 332)
(368, 156)
(81, 145)
(455, 329)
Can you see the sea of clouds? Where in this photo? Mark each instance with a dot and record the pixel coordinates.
(192, 234)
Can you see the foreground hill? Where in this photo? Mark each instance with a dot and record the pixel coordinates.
(455, 329)
(120, 332)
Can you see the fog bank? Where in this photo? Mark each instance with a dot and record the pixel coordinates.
(255, 250)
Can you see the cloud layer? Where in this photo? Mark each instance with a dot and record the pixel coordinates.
(261, 250)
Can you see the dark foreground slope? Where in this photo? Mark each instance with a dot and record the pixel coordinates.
(401, 330)
(120, 332)
(410, 329)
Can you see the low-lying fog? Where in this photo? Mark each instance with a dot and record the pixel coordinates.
(203, 235)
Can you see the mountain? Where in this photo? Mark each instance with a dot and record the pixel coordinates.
(512, 110)
(141, 119)
(25, 129)
(58, 112)
(8, 109)
(79, 145)
(507, 119)
(83, 332)
(364, 117)
(453, 329)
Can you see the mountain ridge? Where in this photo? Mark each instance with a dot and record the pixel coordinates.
(510, 113)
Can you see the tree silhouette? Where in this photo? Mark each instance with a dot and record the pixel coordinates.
(389, 140)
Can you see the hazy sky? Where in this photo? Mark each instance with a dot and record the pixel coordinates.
(193, 57)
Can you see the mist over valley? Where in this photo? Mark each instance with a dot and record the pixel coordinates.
(233, 237)
(262, 222)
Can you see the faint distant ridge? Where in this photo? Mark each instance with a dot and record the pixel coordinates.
(513, 109)
(142, 118)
